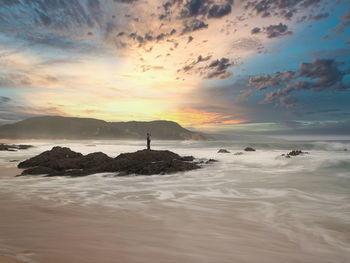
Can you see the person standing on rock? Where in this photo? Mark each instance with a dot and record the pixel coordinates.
(148, 141)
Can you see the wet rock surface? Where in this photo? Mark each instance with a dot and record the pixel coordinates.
(249, 149)
(294, 153)
(223, 151)
(62, 161)
(14, 147)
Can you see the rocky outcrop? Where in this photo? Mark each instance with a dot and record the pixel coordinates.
(249, 149)
(14, 147)
(223, 151)
(294, 153)
(62, 161)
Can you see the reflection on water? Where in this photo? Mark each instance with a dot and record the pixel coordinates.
(255, 207)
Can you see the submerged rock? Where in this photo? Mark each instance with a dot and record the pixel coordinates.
(62, 161)
(249, 149)
(223, 151)
(14, 147)
(294, 153)
(238, 153)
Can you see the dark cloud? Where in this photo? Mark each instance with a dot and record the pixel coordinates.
(194, 63)
(215, 69)
(195, 8)
(148, 37)
(218, 69)
(193, 25)
(56, 23)
(319, 16)
(206, 8)
(283, 8)
(255, 30)
(219, 11)
(321, 75)
(190, 38)
(279, 30)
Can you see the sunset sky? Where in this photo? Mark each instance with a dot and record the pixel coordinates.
(274, 66)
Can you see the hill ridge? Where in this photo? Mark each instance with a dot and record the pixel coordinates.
(60, 127)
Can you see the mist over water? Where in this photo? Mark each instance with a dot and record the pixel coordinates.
(260, 203)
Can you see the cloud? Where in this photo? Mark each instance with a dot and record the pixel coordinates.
(4, 99)
(319, 16)
(193, 25)
(217, 11)
(256, 30)
(218, 69)
(321, 75)
(345, 23)
(278, 30)
(193, 8)
(283, 8)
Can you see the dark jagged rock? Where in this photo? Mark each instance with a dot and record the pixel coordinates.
(14, 147)
(57, 158)
(249, 149)
(187, 158)
(61, 161)
(294, 153)
(223, 151)
(38, 170)
(211, 161)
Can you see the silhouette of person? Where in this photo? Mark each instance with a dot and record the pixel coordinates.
(148, 141)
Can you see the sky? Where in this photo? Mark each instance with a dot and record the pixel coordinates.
(227, 66)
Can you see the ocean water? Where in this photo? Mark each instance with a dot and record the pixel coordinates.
(302, 202)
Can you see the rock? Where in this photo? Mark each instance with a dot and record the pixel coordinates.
(13, 161)
(38, 170)
(345, 149)
(249, 149)
(14, 147)
(61, 161)
(57, 158)
(187, 158)
(238, 153)
(211, 161)
(223, 151)
(294, 153)
(24, 146)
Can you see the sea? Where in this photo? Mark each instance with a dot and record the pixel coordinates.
(248, 207)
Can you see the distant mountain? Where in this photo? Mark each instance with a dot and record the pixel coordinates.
(57, 127)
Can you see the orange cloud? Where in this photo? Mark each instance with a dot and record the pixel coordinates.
(194, 117)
